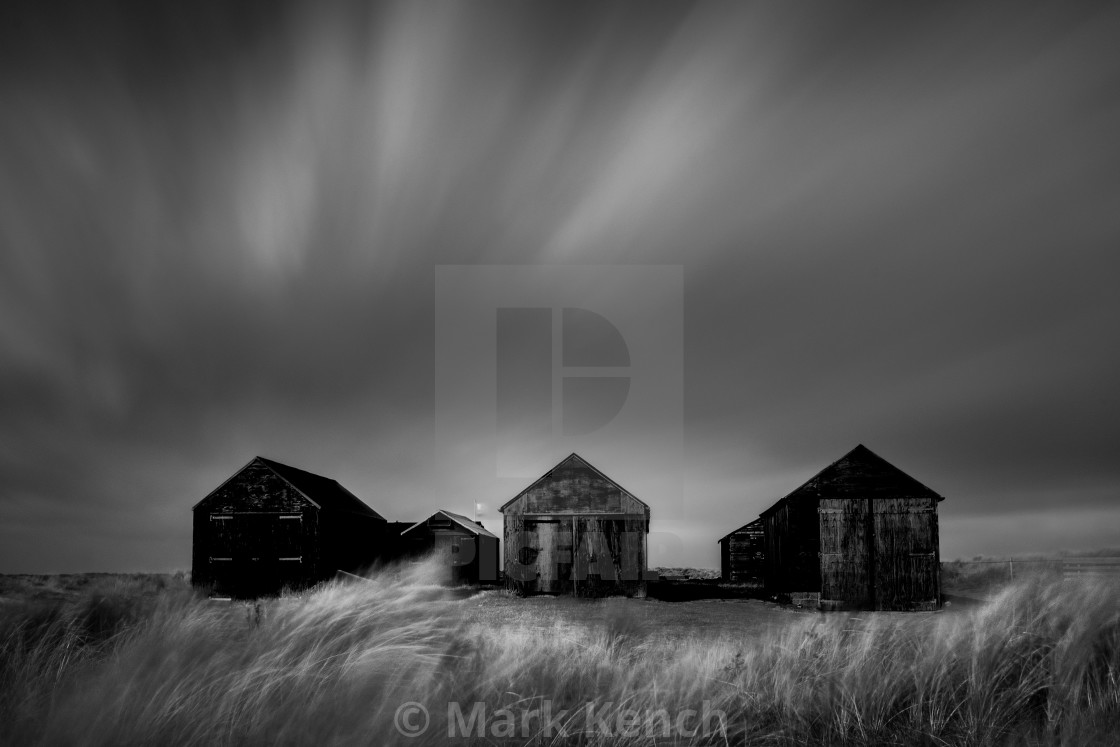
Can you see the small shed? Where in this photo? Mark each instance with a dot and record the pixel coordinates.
(469, 549)
(576, 531)
(742, 553)
(271, 526)
(860, 534)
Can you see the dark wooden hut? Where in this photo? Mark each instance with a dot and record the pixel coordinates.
(576, 531)
(742, 553)
(469, 549)
(861, 534)
(272, 526)
(396, 546)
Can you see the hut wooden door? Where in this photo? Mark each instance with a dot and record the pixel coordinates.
(845, 574)
(907, 574)
(463, 559)
(554, 559)
(608, 555)
(443, 548)
(257, 542)
(541, 561)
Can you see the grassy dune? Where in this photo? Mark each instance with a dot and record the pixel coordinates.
(122, 662)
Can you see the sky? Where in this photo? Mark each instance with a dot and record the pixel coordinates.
(277, 228)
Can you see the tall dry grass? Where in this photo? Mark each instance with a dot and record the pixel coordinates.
(1040, 664)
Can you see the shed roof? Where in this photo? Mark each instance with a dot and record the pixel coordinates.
(757, 521)
(848, 466)
(324, 492)
(574, 459)
(471, 526)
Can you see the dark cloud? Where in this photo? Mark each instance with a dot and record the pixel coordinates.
(219, 225)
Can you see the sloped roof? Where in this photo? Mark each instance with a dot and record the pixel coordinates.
(574, 458)
(324, 492)
(860, 459)
(736, 531)
(328, 493)
(471, 526)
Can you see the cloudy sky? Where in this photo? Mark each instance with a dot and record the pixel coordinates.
(221, 227)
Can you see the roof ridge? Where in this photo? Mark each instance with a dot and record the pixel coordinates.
(463, 521)
(589, 465)
(322, 491)
(860, 452)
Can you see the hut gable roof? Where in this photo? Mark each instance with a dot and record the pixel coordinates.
(471, 526)
(574, 462)
(757, 523)
(323, 492)
(858, 466)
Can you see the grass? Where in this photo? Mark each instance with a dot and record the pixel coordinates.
(986, 578)
(119, 661)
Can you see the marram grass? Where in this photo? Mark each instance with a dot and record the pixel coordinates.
(1038, 664)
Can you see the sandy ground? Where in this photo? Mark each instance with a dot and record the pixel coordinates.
(703, 618)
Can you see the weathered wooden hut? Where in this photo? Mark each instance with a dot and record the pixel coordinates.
(860, 534)
(742, 553)
(575, 531)
(469, 550)
(271, 526)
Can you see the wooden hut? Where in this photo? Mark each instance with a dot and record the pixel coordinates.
(575, 531)
(861, 534)
(742, 553)
(469, 550)
(272, 526)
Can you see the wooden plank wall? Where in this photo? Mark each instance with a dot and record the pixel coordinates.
(776, 525)
(743, 554)
(575, 532)
(907, 565)
(879, 553)
(254, 537)
(487, 561)
(879, 537)
(609, 555)
(845, 553)
(586, 555)
(248, 554)
(792, 547)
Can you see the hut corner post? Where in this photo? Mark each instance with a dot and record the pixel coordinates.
(872, 539)
(575, 573)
